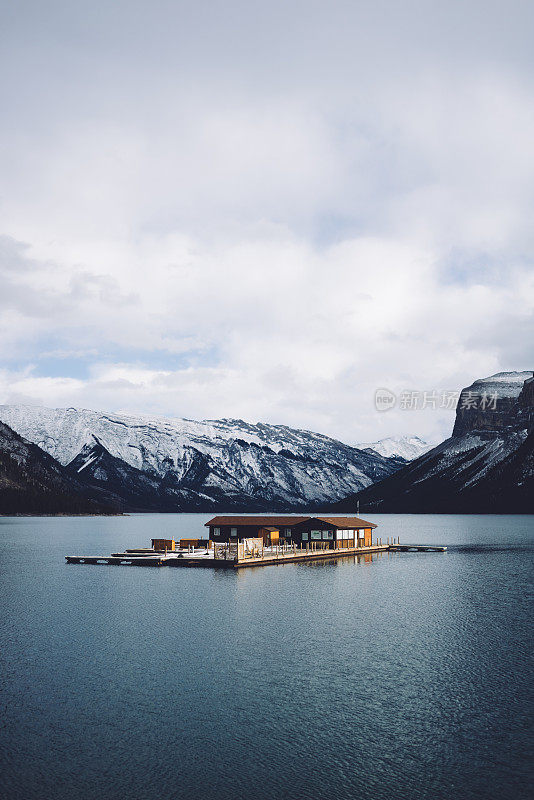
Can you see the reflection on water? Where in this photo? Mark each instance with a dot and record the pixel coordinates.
(364, 558)
(385, 675)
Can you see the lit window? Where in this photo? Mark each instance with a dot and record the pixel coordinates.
(315, 534)
(216, 531)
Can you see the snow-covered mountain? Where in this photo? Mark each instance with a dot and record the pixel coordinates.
(406, 447)
(486, 465)
(178, 464)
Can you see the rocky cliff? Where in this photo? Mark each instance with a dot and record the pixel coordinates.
(485, 466)
(492, 405)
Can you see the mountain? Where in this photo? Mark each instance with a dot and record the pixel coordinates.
(405, 447)
(485, 466)
(158, 463)
(32, 482)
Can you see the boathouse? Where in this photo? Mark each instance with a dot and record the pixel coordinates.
(339, 532)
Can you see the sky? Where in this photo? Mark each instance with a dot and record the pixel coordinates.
(265, 210)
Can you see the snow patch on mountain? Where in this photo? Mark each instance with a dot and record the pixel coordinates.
(502, 384)
(407, 447)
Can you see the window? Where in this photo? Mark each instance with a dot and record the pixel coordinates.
(304, 536)
(233, 531)
(288, 533)
(315, 534)
(216, 531)
(327, 534)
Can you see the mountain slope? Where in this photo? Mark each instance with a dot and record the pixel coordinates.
(32, 482)
(179, 464)
(485, 466)
(137, 490)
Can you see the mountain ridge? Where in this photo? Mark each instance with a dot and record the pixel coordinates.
(209, 465)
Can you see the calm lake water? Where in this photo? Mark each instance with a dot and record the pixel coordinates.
(408, 676)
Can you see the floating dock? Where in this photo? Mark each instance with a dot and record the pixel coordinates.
(130, 561)
(418, 548)
(240, 560)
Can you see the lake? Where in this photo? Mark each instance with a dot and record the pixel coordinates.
(405, 676)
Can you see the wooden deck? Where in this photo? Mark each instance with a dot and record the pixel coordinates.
(303, 555)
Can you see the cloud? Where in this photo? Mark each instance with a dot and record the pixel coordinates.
(259, 212)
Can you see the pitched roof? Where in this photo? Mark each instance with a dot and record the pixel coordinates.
(338, 522)
(254, 521)
(347, 522)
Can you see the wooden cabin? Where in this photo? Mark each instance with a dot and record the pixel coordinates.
(338, 532)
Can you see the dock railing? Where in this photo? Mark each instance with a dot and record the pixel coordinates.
(249, 550)
(255, 551)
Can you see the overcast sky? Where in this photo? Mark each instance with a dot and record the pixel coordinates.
(265, 210)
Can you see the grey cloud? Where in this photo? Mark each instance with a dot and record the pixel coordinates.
(103, 288)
